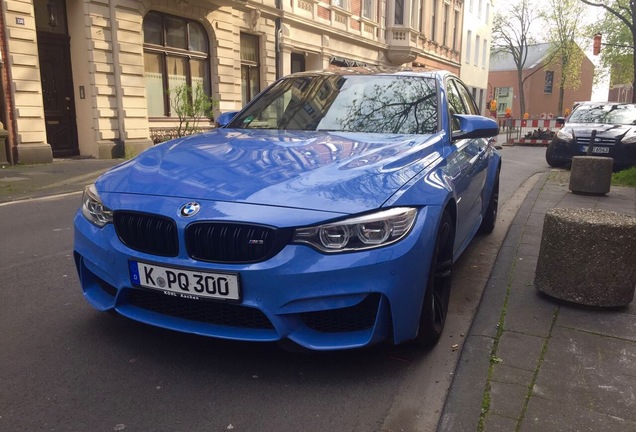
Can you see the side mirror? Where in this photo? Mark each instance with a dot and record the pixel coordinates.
(560, 121)
(475, 126)
(225, 118)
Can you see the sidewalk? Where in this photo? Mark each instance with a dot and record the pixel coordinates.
(531, 363)
(21, 182)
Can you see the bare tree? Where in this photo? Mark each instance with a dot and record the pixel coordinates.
(511, 28)
(563, 18)
(625, 11)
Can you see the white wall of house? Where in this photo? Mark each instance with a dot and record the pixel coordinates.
(26, 88)
(475, 58)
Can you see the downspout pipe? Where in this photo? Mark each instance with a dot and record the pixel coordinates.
(278, 39)
(117, 76)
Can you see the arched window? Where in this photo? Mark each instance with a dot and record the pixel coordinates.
(176, 52)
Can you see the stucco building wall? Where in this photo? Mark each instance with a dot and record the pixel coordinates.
(107, 102)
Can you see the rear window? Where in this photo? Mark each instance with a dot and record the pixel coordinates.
(624, 114)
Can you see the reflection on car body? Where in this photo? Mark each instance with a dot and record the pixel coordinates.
(328, 212)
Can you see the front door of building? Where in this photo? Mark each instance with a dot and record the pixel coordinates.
(57, 93)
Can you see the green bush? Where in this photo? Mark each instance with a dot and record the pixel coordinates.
(625, 177)
(190, 105)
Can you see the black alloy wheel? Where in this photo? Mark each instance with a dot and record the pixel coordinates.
(437, 295)
(550, 158)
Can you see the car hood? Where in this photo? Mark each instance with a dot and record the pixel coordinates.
(339, 172)
(605, 130)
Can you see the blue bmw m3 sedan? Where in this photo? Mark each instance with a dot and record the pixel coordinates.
(328, 212)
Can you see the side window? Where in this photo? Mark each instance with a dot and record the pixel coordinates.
(455, 104)
(469, 101)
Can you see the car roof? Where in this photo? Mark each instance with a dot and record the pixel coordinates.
(376, 70)
(591, 103)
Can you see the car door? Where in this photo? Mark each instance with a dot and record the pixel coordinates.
(470, 157)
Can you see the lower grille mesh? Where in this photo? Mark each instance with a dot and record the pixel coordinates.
(204, 311)
(359, 317)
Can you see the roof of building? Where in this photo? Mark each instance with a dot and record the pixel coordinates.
(503, 61)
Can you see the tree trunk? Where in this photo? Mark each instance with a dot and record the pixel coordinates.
(633, 29)
(634, 81)
(522, 98)
(560, 107)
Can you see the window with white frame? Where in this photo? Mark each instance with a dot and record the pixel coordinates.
(469, 41)
(455, 29)
(434, 20)
(487, 11)
(342, 4)
(483, 54)
(250, 67)
(176, 53)
(446, 23)
(480, 6)
(368, 9)
(399, 12)
(477, 45)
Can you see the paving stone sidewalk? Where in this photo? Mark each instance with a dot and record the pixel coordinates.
(532, 363)
(21, 182)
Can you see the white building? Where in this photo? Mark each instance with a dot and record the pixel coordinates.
(478, 17)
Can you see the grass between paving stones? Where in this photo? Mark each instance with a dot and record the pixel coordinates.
(494, 359)
(544, 349)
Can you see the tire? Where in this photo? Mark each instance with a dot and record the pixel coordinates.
(551, 159)
(490, 216)
(437, 294)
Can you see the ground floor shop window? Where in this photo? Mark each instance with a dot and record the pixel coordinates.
(176, 53)
(250, 69)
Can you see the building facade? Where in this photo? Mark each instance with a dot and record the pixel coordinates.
(95, 78)
(475, 53)
(542, 75)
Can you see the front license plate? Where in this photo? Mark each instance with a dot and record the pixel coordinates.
(595, 149)
(185, 283)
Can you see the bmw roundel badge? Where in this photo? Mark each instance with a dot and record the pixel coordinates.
(190, 209)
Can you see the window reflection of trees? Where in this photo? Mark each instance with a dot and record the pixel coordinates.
(373, 104)
(404, 105)
(610, 114)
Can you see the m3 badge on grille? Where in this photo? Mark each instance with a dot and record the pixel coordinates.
(190, 209)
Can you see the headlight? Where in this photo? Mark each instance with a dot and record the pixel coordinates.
(630, 138)
(565, 134)
(93, 209)
(364, 232)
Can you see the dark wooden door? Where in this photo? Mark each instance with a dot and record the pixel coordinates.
(57, 92)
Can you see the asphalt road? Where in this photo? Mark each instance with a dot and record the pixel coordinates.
(66, 367)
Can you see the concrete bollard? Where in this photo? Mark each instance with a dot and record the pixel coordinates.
(591, 175)
(587, 257)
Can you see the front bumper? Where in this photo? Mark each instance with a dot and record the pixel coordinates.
(318, 301)
(624, 155)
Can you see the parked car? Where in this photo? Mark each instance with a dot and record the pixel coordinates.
(615, 126)
(328, 212)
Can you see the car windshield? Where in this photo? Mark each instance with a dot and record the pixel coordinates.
(359, 103)
(605, 113)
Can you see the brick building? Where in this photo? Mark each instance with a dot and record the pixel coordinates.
(541, 87)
